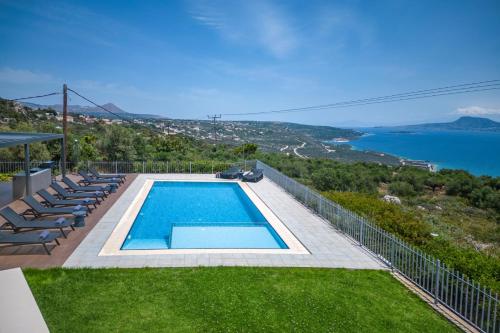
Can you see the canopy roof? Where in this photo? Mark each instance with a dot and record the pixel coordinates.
(9, 139)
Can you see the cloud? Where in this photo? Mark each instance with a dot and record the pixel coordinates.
(28, 80)
(79, 22)
(25, 76)
(253, 22)
(477, 111)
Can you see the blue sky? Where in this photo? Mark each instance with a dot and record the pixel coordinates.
(187, 59)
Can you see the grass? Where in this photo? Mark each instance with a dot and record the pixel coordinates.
(224, 299)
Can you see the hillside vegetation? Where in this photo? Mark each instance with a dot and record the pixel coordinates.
(450, 214)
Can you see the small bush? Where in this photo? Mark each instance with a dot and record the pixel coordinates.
(402, 189)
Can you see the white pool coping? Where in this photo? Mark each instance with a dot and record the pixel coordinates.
(114, 243)
(323, 245)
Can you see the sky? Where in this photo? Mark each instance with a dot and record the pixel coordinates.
(189, 59)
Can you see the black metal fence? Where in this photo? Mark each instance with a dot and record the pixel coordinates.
(472, 302)
(132, 166)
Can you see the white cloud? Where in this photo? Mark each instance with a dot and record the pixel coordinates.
(20, 82)
(251, 22)
(477, 111)
(24, 76)
(80, 22)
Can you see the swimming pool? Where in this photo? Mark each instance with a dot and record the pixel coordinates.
(200, 215)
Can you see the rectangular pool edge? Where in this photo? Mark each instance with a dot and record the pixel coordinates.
(113, 244)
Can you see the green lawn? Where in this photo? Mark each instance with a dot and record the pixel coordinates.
(229, 300)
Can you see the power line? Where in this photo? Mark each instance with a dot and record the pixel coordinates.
(384, 101)
(417, 94)
(32, 97)
(99, 106)
(111, 112)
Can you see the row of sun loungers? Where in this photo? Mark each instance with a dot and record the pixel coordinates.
(78, 199)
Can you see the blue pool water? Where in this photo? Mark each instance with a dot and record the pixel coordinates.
(200, 215)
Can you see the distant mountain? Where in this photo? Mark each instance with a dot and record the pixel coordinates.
(95, 111)
(463, 124)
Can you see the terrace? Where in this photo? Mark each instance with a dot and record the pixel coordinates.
(318, 234)
(321, 246)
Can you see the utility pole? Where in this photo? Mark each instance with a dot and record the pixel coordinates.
(214, 119)
(65, 129)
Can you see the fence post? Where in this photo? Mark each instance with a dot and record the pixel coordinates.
(212, 167)
(143, 166)
(392, 253)
(189, 167)
(116, 166)
(436, 290)
(361, 231)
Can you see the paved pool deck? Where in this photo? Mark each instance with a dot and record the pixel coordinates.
(325, 247)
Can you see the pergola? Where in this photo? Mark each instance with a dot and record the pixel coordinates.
(10, 139)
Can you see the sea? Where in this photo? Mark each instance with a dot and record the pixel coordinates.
(475, 151)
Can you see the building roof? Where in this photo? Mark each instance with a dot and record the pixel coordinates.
(9, 139)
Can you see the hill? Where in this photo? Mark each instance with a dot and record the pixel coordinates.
(95, 111)
(463, 124)
(305, 141)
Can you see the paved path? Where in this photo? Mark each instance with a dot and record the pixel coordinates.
(19, 312)
(327, 247)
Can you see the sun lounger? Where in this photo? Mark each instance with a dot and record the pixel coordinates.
(253, 176)
(231, 173)
(52, 201)
(96, 174)
(38, 210)
(77, 188)
(87, 180)
(45, 237)
(19, 223)
(64, 194)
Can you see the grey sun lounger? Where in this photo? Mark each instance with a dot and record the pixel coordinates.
(45, 237)
(87, 180)
(51, 201)
(98, 175)
(253, 176)
(64, 194)
(231, 173)
(38, 210)
(19, 223)
(77, 188)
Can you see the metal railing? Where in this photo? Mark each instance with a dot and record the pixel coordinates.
(474, 303)
(195, 167)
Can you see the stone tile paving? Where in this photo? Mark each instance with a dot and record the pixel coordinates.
(327, 247)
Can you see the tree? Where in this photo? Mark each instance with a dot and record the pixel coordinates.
(88, 148)
(118, 145)
(246, 149)
(436, 181)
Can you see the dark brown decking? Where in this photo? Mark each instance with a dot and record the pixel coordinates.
(35, 256)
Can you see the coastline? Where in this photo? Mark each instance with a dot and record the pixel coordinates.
(472, 151)
(422, 164)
